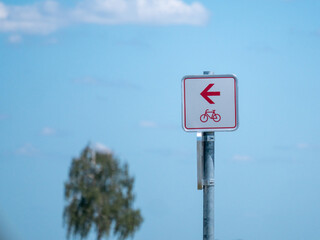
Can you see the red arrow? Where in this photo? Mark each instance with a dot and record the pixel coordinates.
(205, 93)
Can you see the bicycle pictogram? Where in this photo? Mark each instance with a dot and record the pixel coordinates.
(210, 114)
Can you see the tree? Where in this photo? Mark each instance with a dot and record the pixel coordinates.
(99, 194)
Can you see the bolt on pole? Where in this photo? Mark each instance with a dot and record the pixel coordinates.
(208, 183)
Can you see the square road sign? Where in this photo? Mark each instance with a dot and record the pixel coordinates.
(209, 103)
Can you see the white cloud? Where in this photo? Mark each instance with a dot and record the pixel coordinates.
(27, 150)
(302, 145)
(101, 11)
(101, 148)
(47, 131)
(15, 39)
(140, 11)
(171, 12)
(3, 11)
(307, 146)
(48, 16)
(40, 18)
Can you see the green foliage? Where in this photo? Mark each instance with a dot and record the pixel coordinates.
(99, 194)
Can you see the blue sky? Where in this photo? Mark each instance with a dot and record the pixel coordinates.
(109, 72)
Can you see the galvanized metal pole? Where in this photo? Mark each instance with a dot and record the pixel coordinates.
(208, 184)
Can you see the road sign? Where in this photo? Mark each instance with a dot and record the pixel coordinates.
(209, 103)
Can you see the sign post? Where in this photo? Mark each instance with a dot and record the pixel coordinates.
(209, 104)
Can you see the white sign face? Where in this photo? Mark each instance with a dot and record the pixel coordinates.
(209, 103)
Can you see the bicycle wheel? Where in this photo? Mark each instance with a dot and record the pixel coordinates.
(216, 118)
(203, 118)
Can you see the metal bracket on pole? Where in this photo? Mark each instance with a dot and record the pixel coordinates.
(200, 156)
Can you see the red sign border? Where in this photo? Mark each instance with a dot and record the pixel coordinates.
(210, 128)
